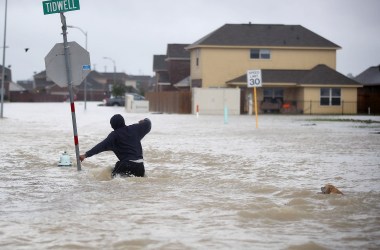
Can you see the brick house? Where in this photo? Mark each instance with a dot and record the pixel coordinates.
(172, 68)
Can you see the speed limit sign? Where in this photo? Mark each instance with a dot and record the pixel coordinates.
(254, 78)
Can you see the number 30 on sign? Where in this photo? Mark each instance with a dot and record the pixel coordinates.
(254, 78)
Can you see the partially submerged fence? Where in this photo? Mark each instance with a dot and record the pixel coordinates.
(172, 102)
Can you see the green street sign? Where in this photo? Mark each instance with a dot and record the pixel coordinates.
(58, 6)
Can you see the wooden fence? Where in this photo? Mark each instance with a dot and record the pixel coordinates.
(172, 102)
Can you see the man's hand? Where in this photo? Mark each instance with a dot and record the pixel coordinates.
(82, 157)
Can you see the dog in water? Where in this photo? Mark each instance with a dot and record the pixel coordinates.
(330, 189)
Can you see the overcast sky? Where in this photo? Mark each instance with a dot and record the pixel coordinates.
(132, 31)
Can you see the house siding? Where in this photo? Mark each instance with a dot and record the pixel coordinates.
(218, 65)
(311, 102)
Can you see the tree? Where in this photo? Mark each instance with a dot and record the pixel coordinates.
(118, 89)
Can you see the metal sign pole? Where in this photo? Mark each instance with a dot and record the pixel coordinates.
(255, 103)
(70, 87)
(3, 66)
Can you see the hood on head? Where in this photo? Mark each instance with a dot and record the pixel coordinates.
(117, 121)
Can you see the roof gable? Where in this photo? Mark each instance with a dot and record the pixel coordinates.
(268, 35)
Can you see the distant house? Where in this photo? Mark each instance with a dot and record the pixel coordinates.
(115, 77)
(299, 68)
(98, 87)
(369, 95)
(171, 69)
(7, 81)
(140, 83)
(42, 89)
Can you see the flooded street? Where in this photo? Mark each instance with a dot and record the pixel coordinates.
(210, 185)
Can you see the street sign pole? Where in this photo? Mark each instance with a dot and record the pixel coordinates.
(3, 66)
(70, 87)
(255, 103)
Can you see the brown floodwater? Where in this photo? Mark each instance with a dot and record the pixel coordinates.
(209, 184)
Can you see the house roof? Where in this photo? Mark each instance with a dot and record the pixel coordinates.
(95, 81)
(117, 75)
(16, 87)
(41, 81)
(159, 63)
(183, 83)
(177, 51)
(320, 75)
(267, 35)
(369, 77)
(139, 78)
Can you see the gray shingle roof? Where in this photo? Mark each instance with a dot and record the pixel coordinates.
(264, 35)
(320, 74)
(370, 77)
(176, 50)
(159, 63)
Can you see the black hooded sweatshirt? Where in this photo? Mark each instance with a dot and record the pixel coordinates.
(124, 141)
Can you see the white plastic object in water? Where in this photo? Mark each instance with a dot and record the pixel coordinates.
(64, 160)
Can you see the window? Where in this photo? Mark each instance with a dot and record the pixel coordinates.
(260, 54)
(330, 97)
(197, 55)
(273, 94)
(255, 53)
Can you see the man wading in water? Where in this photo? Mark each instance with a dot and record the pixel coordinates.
(124, 141)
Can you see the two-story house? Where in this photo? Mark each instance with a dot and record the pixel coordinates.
(173, 68)
(298, 68)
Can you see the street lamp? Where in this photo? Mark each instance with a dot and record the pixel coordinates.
(114, 67)
(85, 79)
(3, 66)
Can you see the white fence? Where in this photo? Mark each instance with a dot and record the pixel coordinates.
(213, 101)
(136, 106)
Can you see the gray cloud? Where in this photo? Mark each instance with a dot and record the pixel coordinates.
(131, 32)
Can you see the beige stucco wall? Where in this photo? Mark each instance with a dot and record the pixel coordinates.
(218, 65)
(312, 101)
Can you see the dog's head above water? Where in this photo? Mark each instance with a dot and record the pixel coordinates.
(330, 189)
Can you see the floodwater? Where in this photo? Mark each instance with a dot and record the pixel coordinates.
(210, 185)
